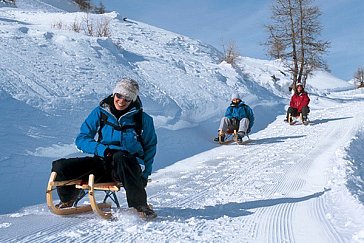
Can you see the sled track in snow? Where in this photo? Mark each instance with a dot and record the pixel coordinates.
(279, 224)
(28, 233)
(279, 227)
(319, 213)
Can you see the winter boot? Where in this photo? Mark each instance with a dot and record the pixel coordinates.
(77, 196)
(241, 134)
(146, 212)
(68, 204)
(305, 120)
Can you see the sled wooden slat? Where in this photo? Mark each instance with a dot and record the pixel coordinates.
(79, 184)
(66, 183)
(112, 186)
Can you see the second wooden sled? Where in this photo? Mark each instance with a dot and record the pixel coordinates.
(231, 136)
(91, 187)
(296, 120)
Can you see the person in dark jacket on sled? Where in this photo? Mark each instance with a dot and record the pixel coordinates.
(238, 116)
(299, 104)
(120, 154)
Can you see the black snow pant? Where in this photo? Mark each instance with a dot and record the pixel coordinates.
(124, 169)
(294, 112)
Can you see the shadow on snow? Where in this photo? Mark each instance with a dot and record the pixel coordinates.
(273, 140)
(320, 121)
(232, 209)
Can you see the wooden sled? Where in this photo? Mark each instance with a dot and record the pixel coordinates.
(91, 187)
(296, 120)
(231, 136)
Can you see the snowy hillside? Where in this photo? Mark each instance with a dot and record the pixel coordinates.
(70, 64)
(290, 184)
(60, 76)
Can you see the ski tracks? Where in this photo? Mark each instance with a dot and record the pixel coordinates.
(279, 223)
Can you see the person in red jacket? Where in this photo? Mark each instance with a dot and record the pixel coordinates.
(299, 103)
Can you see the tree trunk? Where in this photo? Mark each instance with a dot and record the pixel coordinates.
(293, 38)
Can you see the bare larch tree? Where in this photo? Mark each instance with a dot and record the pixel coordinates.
(293, 37)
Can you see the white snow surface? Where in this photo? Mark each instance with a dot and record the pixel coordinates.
(289, 184)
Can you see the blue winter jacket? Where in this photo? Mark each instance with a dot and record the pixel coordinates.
(240, 111)
(122, 140)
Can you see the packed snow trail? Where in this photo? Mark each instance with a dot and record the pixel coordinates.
(279, 188)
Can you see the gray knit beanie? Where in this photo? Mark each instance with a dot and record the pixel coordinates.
(128, 88)
(235, 96)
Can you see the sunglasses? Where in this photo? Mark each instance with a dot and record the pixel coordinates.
(120, 96)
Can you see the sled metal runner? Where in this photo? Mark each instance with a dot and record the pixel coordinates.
(91, 187)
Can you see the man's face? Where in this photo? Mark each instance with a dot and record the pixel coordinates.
(121, 102)
(236, 100)
(299, 89)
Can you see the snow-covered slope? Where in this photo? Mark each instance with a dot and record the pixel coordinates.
(290, 184)
(61, 75)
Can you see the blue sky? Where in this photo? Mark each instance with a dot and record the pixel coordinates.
(218, 22)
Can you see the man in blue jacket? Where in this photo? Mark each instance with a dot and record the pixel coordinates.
(238, 116)
(120, 152)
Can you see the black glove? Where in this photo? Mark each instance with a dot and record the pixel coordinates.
(248, 131)
(109, 153)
